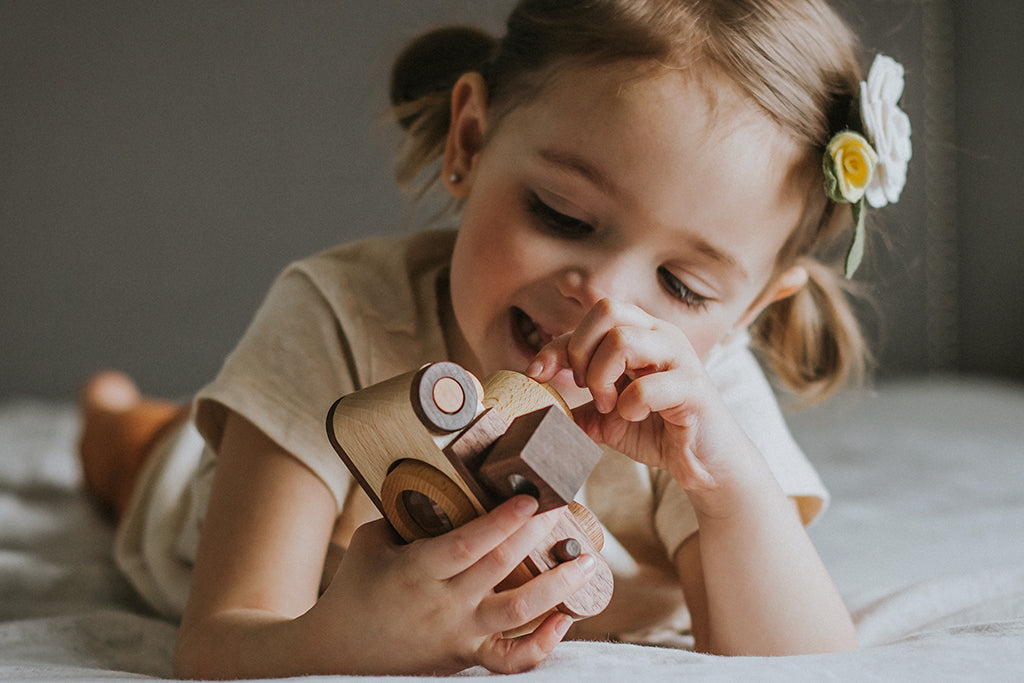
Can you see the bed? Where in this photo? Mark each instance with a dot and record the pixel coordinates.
(924, 537)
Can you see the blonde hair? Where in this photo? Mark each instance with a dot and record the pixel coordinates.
(795, 58)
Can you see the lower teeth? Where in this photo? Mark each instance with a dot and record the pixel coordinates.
(530, 332)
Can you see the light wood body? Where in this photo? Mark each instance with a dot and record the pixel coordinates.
(413, 470)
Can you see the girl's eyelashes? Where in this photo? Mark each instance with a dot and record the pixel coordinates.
(574, 228)
(558, 222)
(680, 291)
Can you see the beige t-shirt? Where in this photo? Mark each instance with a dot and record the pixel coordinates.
(361, 313)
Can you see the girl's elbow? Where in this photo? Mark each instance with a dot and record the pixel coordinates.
(185, 664)
(189, 661)
(847, 641)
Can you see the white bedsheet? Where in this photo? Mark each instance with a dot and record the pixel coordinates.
(925, 539)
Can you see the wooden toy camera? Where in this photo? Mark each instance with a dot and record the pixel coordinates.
(434, 449)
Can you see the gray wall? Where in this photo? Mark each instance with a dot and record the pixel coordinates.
(162, 161)
(990, 166)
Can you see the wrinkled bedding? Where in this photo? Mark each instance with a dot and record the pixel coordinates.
(924, 537)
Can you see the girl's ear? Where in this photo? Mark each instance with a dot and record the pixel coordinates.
(786, 285)
(466, 134)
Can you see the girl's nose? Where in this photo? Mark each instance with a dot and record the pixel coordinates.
(610, 279)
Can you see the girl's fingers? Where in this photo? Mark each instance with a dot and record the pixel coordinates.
(573, 350)
(604, 317)
(514, 655)
(656, 393)
(551, 359)
(512, 608)
(613, 343)
(452, 553)
(499, 563)
(624, 352)
(627, 353)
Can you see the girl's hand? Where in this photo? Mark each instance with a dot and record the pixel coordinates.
(429, 606)
(653, 400)
(754, 581)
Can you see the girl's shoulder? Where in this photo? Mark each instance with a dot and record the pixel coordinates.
(379, 259)
(390, 278)
(381, 295)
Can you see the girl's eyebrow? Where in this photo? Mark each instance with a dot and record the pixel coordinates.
(712, 253)
(580, 166)
(583, 167)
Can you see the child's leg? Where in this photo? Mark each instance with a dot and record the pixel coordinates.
(119, 429)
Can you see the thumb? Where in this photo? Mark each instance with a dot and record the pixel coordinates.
(377, 533)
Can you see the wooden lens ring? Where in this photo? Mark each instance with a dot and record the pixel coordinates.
(444, 397)
(413, 485)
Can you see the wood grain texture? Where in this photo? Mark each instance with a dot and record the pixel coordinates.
(468, 450)
(543, 453)
(515, 394)
(426, 482)
(420, 501)
(376, 427)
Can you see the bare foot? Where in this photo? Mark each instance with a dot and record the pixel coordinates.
(119, 428)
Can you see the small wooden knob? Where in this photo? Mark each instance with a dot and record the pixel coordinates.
(567, 550)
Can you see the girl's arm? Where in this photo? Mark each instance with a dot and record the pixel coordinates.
(767, 594)
(753, 578)
(428, 606)
(263, 539)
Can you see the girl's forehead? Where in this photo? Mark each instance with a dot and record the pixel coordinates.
(670, 149)
(666, 112)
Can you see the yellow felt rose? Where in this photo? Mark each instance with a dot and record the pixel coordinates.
(849, 164)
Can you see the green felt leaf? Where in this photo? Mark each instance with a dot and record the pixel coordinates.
(831, 179)
(855, 253)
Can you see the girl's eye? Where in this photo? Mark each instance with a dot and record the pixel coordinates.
(564, 225)
(681, 292)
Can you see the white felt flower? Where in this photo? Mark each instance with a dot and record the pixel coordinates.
(888, 128)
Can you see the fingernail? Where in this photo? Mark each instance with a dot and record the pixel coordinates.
(562, 627)
(587, 562)
(536, 367)
(525, 505)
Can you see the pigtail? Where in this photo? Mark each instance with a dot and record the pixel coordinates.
(421, 83)
(812, 342)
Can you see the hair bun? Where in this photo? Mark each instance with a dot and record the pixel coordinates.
(434, 61)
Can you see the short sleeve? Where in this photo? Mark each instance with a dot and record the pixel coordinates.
(749, 396)
(290, 366)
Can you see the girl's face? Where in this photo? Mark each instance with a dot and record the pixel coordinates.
(641, 189)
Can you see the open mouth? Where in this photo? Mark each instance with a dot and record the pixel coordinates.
(531, 335)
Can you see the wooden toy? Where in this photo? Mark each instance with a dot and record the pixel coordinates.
(435, 448)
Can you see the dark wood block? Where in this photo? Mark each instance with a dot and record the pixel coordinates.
(544, 454)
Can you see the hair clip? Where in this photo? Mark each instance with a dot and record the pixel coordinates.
(866, 163)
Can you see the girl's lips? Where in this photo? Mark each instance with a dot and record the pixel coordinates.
(530, 338)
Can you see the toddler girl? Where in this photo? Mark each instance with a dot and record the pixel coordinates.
(642, 201)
